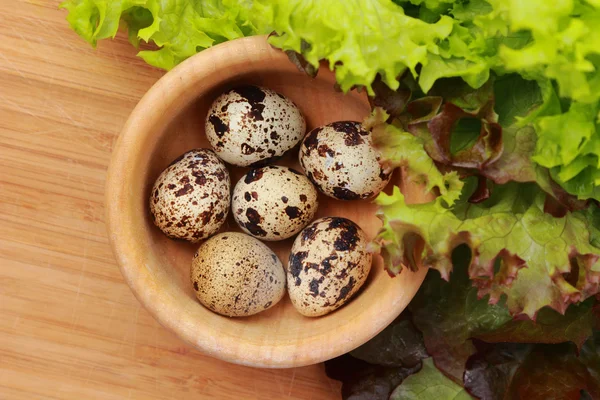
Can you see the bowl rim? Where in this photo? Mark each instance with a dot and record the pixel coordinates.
(124, 246)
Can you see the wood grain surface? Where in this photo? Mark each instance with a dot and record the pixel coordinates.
(70, 328)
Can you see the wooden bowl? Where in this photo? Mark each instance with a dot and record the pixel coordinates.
(168, 121)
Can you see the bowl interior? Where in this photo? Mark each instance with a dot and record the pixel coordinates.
(170, 121)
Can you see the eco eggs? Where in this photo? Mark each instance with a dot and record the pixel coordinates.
(190, 198)
(235, 275)
(340, 160)
(274, 203)
(329, 262)
(250, 126)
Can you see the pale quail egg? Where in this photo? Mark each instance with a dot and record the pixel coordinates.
(340, 160)
(190, 198)
(329, 262)
(250, 126)
(274, 203)
(236, 275)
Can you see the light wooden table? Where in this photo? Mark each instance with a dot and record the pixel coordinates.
(69, 326)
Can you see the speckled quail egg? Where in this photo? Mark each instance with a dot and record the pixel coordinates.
(250, 126)
(340, 160)
(190, 198)
(329, 262)
(274, 203)
(236, 275)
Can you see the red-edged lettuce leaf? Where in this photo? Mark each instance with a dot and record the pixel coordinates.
(464, 139)
(518, 250)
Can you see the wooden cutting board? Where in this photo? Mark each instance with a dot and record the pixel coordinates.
(70, 328)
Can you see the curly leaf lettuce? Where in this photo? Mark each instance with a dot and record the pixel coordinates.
(565, 49)
(564, 46)
(569, 144)
(533, 258)
(179, 28)
(401, 149)
(360, 39)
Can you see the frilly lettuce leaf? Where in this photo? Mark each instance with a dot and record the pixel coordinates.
(399, 148)
(569, 144)
(179, 28)
(564, 47)
(526, 246)
(518, 250)
(360, 39)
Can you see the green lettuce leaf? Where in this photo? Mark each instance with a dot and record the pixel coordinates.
(569, 144)
(469, 10)
(179, 28)
(399, 148)
(360, 38)
(533, 258)
(429, 384)
(564, 47)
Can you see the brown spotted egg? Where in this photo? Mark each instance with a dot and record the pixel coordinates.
(273, 202)
(340, 160)
(190, 198)
(250, 126)
(328, 263)
(236, 275)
